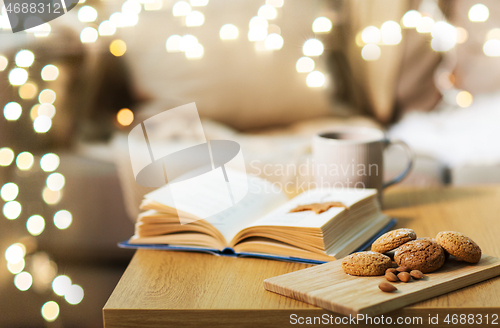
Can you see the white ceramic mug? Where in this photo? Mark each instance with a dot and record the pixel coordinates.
(352, 157)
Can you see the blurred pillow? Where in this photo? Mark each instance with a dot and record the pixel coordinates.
(233, 82)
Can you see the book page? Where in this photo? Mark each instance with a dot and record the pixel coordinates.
(308, 219)
(204, 201)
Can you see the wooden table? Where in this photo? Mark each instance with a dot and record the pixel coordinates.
(161, 288)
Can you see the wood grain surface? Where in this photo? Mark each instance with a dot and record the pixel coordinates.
(327, 286)
(161, 288)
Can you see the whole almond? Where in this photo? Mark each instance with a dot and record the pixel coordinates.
(416, 274)
(391, 277)
(387, 287)
(392, 270)
(403, 269)
(404, 276)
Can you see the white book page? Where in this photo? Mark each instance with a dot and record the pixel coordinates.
(309, 219)
(204, 200)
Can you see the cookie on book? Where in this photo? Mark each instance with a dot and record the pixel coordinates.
(459, 245)
(422, 254)
(393, 239)
(366, 264)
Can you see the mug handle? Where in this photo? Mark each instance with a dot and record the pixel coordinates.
(411, 158)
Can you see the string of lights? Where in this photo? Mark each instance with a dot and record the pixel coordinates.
(31, 267)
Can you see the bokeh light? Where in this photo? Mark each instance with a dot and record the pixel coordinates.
(315, 79)
(181, 8)
(494, 33)
(478, 13)
(273, 42)
(50, 73)
(125, 117)
(51, 197)
(87, 14)
(12, 210)
(55, 181)
(24, 161)
(391, 33)
(305, 65)
(131, 6)
(6, 156)
(15, 253)
(34, 111)
(118, 48)
(12, 111)
(47, 96)
(444, 36)
(313, 47)
(42, 124)
(23, 281)
(24, 58)
(63, 219)
(18, 76)
(188, 42)
(258, 21)
(195, 18)
(74, 294)
(228, 32)
(3, 63)
(411, 19)
(16, 267)
(257, 33)
(42, 30)
(28, 91)
(491, 48)
(116, 20)
(106, 28)
(35, 225)
(370, 52)
(46, 110)
(195, 52)
(322, 25)
(174, 43)
(61, 284)
(9, 191)
(371, 34)
(267, 12)
(128, 19)
(462, 34)
(464, 99)
(88, 35)
(49, 162)
(425, 25)
(50, 311)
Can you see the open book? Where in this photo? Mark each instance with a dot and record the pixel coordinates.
(263, 224)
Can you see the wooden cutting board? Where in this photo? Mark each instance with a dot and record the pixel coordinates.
(327, 286)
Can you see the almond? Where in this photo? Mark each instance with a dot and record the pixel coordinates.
(403, 269)
(404, 276)
(391, 277)
(392, 270)
(416, 274)
(387, 287)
